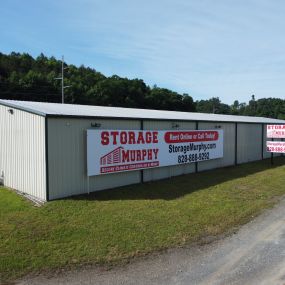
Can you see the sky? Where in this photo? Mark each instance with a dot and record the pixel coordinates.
(223, 48)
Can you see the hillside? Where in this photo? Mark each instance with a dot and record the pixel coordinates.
(23, 77)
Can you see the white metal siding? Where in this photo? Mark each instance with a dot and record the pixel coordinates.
(168, 171)
(67, 157)
(22, 151)
(229, 146)
(249, 142)
(67, 153)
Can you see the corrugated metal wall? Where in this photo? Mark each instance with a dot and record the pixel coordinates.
(169, 171)
(249, 142)
(22, 151)
(229, 146)
(67, 153)
(265, 139)
(67, 157)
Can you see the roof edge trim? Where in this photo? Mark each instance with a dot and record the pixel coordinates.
(22, 108)
(62, 116)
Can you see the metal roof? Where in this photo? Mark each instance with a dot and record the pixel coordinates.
(71, 110)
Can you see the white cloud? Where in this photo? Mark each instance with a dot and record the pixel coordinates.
(207, 48)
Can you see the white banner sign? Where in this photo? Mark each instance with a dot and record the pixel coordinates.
(276, 131)
(110, 151)
(278, 147)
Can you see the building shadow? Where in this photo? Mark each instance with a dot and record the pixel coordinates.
(179, 186)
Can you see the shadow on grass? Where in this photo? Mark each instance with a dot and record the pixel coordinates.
(178, 186)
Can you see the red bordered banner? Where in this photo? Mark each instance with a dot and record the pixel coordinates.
(112, 151)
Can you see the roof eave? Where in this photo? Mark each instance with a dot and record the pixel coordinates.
(31, 111)
(156, 119)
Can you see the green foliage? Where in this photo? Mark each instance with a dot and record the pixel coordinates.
(164, 99)
(213, 105)
(266, 107)
(24, 78)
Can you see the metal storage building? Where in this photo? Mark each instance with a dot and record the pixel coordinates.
(43, 145)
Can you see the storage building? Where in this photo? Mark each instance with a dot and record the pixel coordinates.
(43, 146)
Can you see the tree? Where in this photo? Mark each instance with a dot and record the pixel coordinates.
(213, 105)
(23, 77)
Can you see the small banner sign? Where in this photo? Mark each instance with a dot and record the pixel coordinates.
(278, 147)
(111, 151)
(276, 131)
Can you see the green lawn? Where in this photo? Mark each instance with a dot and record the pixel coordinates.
(111, 226)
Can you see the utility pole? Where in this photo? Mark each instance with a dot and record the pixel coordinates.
(62, 80)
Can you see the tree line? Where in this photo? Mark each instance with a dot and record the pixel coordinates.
(23, 77)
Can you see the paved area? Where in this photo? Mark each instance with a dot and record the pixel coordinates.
(254, 255)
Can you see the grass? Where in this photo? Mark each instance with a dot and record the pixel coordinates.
(112, 226)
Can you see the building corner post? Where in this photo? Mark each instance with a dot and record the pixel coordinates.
(262, 142)
(46, 159)
(236, 143)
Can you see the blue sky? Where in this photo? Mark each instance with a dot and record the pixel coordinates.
(223, 48)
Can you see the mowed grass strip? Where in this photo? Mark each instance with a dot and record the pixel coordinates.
(112, 226)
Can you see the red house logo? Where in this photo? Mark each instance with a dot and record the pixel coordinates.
(112, 157)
